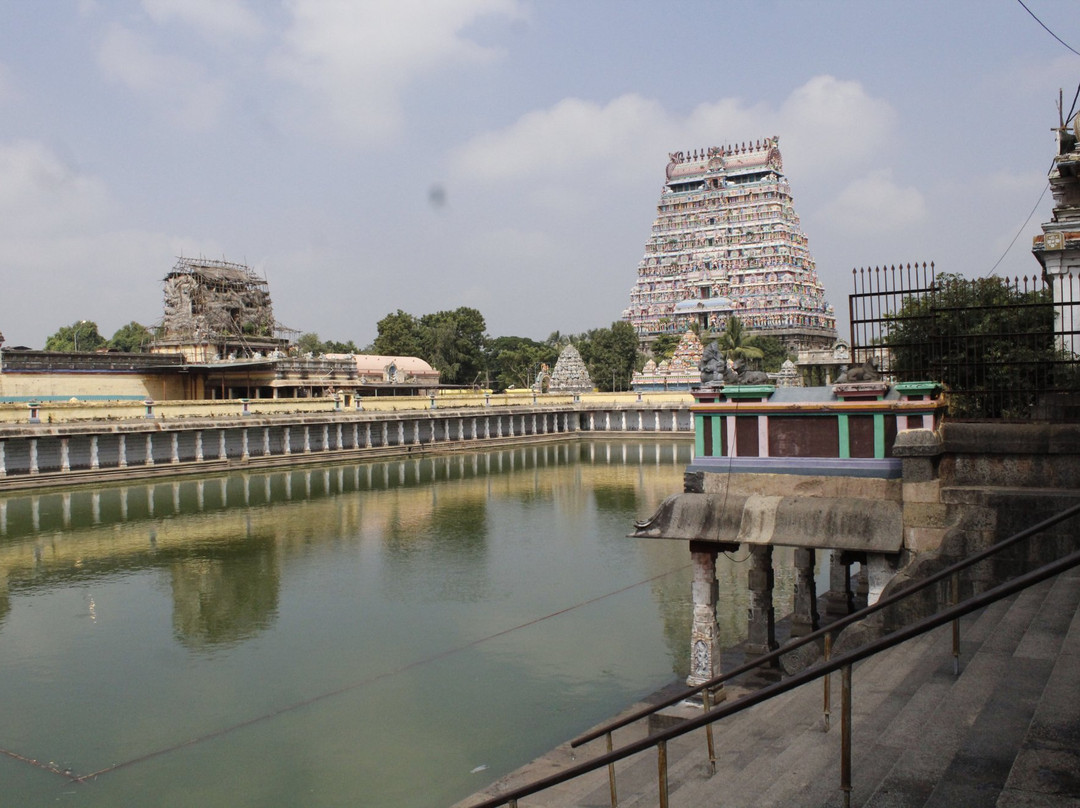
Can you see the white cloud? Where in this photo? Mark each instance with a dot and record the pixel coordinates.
(221, 18)
(42, 195)
(353, 58)
(826, 124)
(182, 89)
(874, 205)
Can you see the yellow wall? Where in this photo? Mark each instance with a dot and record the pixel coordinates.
(95, 385)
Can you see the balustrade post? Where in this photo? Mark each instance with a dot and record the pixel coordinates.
(845, 734)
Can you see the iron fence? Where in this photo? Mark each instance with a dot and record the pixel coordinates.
(1002, 347)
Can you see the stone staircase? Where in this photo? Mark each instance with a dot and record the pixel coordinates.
(1006, 732)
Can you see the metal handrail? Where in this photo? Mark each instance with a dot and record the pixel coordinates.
(828, 630)
(842, 661)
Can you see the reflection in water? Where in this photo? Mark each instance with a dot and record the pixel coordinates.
(455, 599)
(222, 598)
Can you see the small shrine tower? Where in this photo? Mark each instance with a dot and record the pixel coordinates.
(1058, 248)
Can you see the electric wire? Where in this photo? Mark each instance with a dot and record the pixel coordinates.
(288, 708)
(1045, 28)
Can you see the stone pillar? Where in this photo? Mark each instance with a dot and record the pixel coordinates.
(326, 438)
(65, 455)
(307, 440)
(385, 433)
(879, 570)
(416, 433)
(510, 426)
(223, 452)
(862, 587)
(487, 426)
(266, 443)
(244, 454)
(640, 421)
(175, 447)
(498, 426)
(401, 433)
(623, 414)
(95, 462)
(534, 423)
(367, 436)
(33, 456)
(761, 617)
(475, 435)
(340, 439)
(839, 601)
(286, 441)
(805, 617)
(198, 446)
(121, 451)
(149, 449)
(704, 632)
(3, 461)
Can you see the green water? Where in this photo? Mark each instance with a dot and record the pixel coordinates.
(379, 634)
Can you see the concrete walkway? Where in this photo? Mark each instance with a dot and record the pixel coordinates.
(1006, 732)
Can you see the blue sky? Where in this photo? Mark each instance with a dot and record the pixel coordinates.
(305, 137)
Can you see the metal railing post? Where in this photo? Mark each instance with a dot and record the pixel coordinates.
(955, 625)
(706, 706)
(611, 776)
(845, 734)
(828, 682)
(661, 764)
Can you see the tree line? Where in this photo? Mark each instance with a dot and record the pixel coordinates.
(456, 343)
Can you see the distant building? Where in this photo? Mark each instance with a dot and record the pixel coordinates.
(217, 310)
(681, 372)
(727, 242)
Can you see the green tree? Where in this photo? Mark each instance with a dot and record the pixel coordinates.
(983, 338)
(332, 346)
(663, 347)
(309, 343)
(514, 361)
(82, 335)
(400, 334)
(738, 343)
(453, 343)
(131, 338)
(773, 352)
(611, 355)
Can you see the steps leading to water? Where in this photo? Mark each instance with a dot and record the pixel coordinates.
(1006, 732)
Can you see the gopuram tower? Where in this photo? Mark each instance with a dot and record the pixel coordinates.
(727, 242)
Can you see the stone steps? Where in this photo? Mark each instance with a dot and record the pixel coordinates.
(1005, 732)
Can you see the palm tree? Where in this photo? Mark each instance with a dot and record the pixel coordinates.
(736, 343)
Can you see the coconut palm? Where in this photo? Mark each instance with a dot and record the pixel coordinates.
(737, 343)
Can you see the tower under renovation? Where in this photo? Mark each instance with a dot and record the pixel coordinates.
(727, 242)
(217, 310)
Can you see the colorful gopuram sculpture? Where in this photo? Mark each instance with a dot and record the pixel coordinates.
(726, 241)
(678, 373)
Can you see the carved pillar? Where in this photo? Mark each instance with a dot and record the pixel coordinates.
(95, 462)
(704, 632)
(149, 449)
(761, 629)
(121, 451)
(175, 447)
(805, 618)
(839, 601)
(65, 455)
